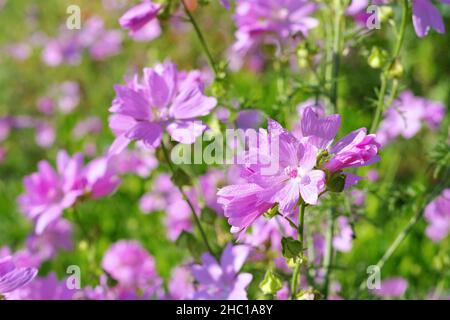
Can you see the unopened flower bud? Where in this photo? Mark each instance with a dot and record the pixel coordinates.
(271, 283)
(377, 58)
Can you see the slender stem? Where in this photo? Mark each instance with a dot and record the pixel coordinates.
(80, 223)
(384, 75)
(201, 38)
(191, 206)
(407, 229)
(328, 259)
(394, 245)
(336, 54)
(298, 266)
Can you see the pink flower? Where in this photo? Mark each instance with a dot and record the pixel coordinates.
(295, 177)
(11, 277)
(45, 246)
(392, 287)
(437, 214)
(162, 100)
(166, 196)
(343, 240)
(181, 284)
(129, 264)
(354, 150)
(406, 116)
(141, 21)
(48, 192)
(48, 288)
(221, 281)
(140, 161)
(426, 16)
(271, 21)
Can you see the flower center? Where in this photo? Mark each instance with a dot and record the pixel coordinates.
(291, 172)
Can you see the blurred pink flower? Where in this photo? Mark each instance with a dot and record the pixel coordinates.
(90, 125)
(221, 281)
(161, 100)
(141, 21)
(13, 278)
(343, 240)
(437, 214)
(48, 192)
(391, 288)
(270, 22)
(181, 284)
(131, 266)
(47, 288)
(406, 115)
(426, 17)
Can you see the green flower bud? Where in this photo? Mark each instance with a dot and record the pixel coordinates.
(386, 13)
(396, 71)
(377, 58)
(309, 294)
(271, 283)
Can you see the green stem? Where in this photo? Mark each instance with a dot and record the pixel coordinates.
(336, 54)
(298, 266)
(191, 206)
(80, 223)
(384, 75)
(407, 229)
(329, 252)
(393, 247)
(201, 38)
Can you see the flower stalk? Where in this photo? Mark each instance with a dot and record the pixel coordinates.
(191, 206)
(384, 78)
(296, 274)
(201, 38)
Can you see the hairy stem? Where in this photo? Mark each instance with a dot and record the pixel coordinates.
(336, 53)
(328, 259)
(407, 229)
(191, 206)
(296, 274)
(201, 38)
(384, 75)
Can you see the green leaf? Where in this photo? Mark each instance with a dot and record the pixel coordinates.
(291, 248)
(208, 215)
(189, 241)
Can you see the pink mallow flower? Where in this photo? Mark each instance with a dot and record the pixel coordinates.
(141, 21)
(131, 266)
(437, 214)
(12, 277)
(162, 100)
(271, 21)
(181, 284)
(48, 192)
(343, 240)
(47, 288)
(297, 175)
(391, 288)
(406, 116)
(221, 281)
(426, 17)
